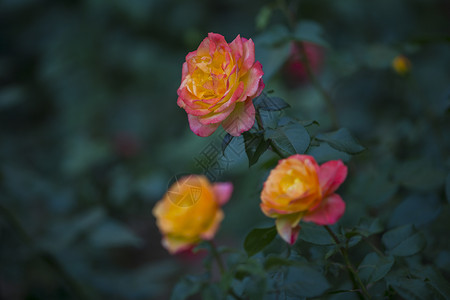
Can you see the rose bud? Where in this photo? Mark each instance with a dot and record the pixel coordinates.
(294, 71)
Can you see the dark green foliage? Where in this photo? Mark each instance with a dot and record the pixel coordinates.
(258, 239)
(91, 137)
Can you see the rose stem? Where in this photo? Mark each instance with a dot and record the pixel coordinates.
(316, 83)
(353, 274)
(217, 257)
(215, 253)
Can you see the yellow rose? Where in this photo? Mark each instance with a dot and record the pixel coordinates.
(191, 211)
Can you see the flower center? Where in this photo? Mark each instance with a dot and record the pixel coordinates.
(210, 78)
(293, 184)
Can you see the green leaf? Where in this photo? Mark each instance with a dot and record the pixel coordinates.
(409, 288)
(113, 234)
(375, 267)
(272, 50)
(436, 280)
(311, 32)
(251, 267)
(416, 209)
(212, 291)
(255, 146)
(289, 139)
(368, 227)
(273, 262)
(259, 238)
(304, 281)
(420, 175)
(267, 103)
(226, 141)
(342, 140)
(324, 152)
(404, 241)
(315, 234)
(263, 17)
(186, 287)
(255, 288)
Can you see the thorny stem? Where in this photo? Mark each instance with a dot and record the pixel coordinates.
(316, 83)
(46, 256)
(351, 270)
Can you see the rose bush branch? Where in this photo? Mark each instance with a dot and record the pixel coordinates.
(292, 21)
(357, 282)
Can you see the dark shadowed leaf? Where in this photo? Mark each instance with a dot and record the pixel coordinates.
(436, 280)
(315, 234)
(374, 267)
(342, 140)
(276, 261)
(272, 49)
(226, 141)
(263, 17)
(259, 238)
(403, 241)
(255, 146)
(409, 288)
(324, 152)
(417, 210)
(420, 175)
(289, 139)
(367, 227)
(311, 32)
(304, 281)
(265, 102)
(113, 234)
(186, 287)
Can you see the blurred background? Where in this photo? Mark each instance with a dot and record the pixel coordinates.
(91, 136)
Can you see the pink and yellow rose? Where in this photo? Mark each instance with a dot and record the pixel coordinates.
(299, 189)
(219, 81)
(191, 211)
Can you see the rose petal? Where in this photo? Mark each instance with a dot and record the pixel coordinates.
(200, 129)
(176, 245)
(209, 233)
(203, 48)
(241, 119)
(288, 228)
(216, 41)
(307, 159)
(213, 117)
(237, 48)
(328, 212)
(331, 175)
(252, 81)
(223, 191)
(249, 54)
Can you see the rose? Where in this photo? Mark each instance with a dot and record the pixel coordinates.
(190, 212)
(294, 71)
(299, 189)
(219, 81)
